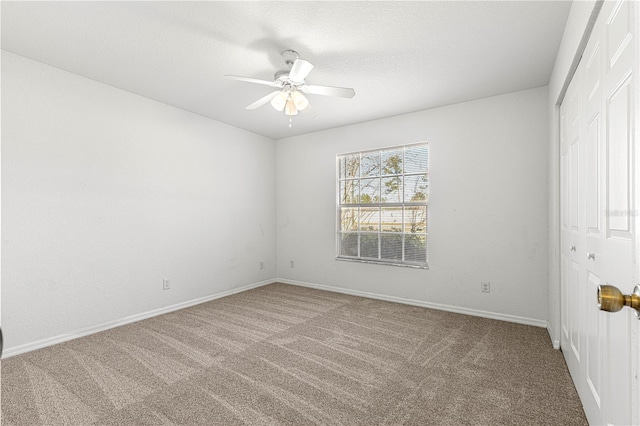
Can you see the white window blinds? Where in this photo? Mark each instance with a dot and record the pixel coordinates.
(382, 207)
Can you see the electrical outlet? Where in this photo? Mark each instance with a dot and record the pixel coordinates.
(292, 264)
(485, 287)
(166, 284)
(262, 264)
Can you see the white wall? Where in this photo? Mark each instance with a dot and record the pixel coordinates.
(579, 22)
(487, 215)
(105, 193)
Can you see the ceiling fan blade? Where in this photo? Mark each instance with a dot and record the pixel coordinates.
(300, 70)
(341, 92)
(253, 80)
(264, 100)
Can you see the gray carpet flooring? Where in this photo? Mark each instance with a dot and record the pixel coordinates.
(287, 355)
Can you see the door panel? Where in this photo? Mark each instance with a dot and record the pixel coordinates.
(564, 191)
(592, 176)
(574, 185)
(594, 352)
(618, 32)
(564, 317)
(618, 160)
(574, 310)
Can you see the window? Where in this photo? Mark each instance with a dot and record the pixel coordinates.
(382, 205)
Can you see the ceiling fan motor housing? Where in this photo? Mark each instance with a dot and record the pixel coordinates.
(282, 75)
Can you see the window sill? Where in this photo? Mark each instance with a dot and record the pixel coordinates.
(374, 262)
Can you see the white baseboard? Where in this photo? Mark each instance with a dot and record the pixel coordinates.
(28, 347)
(449, 308)
(9, 352)
(555, 342)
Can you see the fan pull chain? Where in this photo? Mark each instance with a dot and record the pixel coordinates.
(290, 120)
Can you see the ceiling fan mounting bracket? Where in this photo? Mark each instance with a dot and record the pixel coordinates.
(289, 57)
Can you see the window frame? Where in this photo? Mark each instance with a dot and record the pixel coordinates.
(380, 205)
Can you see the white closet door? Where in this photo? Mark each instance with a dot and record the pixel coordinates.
(598, 118)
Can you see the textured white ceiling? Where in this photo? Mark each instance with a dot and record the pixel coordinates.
(399, 57)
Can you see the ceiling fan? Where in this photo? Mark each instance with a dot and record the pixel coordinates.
(292, 86)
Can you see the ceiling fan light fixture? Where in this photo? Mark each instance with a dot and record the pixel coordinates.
(290, 107)
(299, 100)
(279, 101)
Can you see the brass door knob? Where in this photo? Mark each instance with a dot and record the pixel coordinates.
(611, 299)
